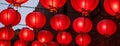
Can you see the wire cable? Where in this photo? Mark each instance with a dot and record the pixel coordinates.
(25, 6)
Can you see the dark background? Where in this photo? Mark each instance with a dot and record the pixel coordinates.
(96, 15)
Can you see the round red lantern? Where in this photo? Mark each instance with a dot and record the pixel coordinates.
(60, 22)
(64, 38)
(84, 5)
(82, 25)
(83, 39)
(37, 43)
(45, 36)
(26, 34)
(35, 20)
(6, 33)
(5, 43)
(20, 43)
(52, 5)
(53, 44)
(106, 27)
(16, 2)
(10, 17)
(112, 7)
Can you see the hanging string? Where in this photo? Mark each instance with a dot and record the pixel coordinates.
(35, 30)
(7, 15)
(9, 6)
(25, 6)
(22, 24)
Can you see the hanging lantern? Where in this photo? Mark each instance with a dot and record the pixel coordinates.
(6, 33)
(45, 36)
(112, 7)
(16, 2)
(26, 34)
(83, 39)
(64, 38)
(37, 43)
(5, 43)
(84, 6)
(106, 27)
(53, 44)
(35, 20)
(20, 43)
(82, 25)
(10, 17)
(52, 5)
(60, 22)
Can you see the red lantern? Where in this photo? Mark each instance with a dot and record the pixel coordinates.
(16, 2)
(6, 33)
(82, 25)
(35, 20)
(84, 5)
(20, 43)
(60, 22)
(45, 36)
(83, 39)
(5, 43)
(53, 44)
(10, 17)
(26, 34)
(106, 27)
(53, 5)
(37, 43)
(64, 38)
(112, 7)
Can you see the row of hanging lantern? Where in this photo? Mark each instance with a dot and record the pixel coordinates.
(9, 18)
(60, 22)
(84, 6)
(83, 25)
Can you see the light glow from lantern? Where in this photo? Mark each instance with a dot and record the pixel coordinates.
(115, 7)
(83, 4)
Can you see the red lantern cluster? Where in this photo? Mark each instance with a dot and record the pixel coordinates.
(52, 5)
(112, 7)
(35, 20)
(106, 27)
(60, 22)
(83, 39)
(45, 36)
(84, 5)
(26, 34)
(82, 25)
(16, 2)
(20, 43)
(10, 17)
(64, 38)
(6, 33)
